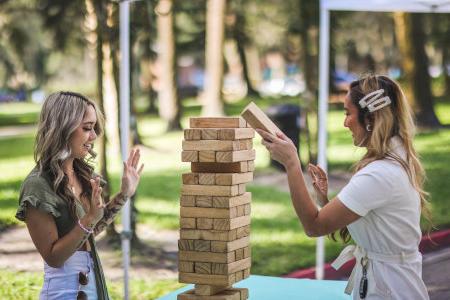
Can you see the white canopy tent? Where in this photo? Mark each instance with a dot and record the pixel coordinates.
(413, 6)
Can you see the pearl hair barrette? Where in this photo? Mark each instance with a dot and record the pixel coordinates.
(373, 102)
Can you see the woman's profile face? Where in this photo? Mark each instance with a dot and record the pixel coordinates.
(83, 137)
(352, 123)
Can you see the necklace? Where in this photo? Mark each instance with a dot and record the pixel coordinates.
(71, 186)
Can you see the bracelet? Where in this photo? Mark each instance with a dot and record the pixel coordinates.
(86, 230)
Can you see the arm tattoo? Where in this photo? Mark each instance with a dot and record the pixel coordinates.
(110, 211)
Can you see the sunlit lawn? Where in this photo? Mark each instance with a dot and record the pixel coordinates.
(279, 244)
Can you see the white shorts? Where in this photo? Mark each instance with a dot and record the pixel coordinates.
(63, 283)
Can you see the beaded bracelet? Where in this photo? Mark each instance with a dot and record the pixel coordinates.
(86, 230)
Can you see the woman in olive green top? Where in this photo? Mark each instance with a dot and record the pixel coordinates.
(61, 199)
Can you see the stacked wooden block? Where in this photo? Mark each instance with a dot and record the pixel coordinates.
(214, 245)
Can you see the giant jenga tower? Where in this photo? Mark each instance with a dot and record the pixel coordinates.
(214, 245)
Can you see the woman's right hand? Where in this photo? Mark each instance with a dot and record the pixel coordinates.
(320, 183)
(96, 204)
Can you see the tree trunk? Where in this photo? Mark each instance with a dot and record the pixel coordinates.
(445, 68)
(240, 39)
(309, 63)
(411, 41)
(169, 104)
(445, 36)
(212, 102)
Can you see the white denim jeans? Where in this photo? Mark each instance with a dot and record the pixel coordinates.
(63, 283)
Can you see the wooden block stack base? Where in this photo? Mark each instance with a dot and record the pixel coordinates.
(227, 294)
(214, 245)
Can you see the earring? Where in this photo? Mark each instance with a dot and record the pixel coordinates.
(368, 127)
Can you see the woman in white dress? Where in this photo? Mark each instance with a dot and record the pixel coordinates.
(381, 205)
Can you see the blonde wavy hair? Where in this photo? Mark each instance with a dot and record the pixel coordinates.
(61, 114)
(395, 119)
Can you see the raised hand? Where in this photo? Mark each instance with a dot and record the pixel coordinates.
(96, 204)
(131, 173)
(320, 183)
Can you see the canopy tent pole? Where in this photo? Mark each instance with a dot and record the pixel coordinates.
(323, 109)
(124, 8)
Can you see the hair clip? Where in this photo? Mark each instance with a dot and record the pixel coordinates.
(373, 101)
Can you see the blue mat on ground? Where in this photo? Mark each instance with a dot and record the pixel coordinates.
(275, 288)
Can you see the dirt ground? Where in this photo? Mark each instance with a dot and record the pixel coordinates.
(155, 259)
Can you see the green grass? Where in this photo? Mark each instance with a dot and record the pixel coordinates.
(279, 244)
(27, 285)
(19, 113)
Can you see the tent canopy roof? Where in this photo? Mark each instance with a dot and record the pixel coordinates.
(423, 6)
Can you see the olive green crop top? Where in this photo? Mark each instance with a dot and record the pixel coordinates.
(36, 190)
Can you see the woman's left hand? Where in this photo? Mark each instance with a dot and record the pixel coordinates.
(281, 148)
(131, 173)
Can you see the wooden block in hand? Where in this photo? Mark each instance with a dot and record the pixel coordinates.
(220, 122)
(258, 119)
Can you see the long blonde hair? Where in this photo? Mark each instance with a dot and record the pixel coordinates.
(61, 114)
(394, 120)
